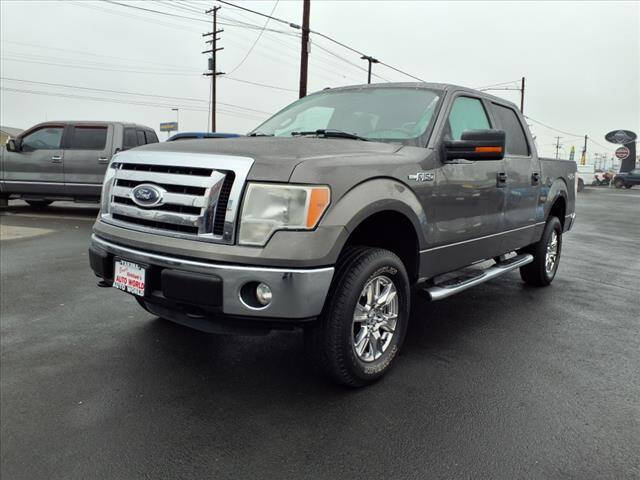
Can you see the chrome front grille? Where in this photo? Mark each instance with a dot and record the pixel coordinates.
(199, 193)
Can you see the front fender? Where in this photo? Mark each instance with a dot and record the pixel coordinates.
(374, 196)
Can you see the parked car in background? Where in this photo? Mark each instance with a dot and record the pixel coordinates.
(65, 160)
(627, 179)
(586, 176)
(195, 135)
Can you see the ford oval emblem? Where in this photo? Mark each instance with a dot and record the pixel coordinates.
(147, 195)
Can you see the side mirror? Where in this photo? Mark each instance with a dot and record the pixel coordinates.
(11, 145)
(476, 145)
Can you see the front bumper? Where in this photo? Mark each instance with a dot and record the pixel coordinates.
(180, 284)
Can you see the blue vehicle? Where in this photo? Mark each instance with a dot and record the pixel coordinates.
(193, 135)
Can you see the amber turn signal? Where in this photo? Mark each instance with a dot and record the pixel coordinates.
(488, 149)
(318, 203)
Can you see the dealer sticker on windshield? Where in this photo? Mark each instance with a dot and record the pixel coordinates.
(129, 277)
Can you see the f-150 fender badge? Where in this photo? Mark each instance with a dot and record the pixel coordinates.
(422, 177)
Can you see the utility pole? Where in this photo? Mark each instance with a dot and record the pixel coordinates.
(558, 147)
(370, 60)
(583, 159)
(304, 50)
(522, 96)
(213, 72)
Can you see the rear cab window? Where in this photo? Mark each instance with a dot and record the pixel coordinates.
(516, 140)
(88, 138)
(141, 138)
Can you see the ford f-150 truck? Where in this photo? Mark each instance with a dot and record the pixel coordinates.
(64, 160)
(332, 214)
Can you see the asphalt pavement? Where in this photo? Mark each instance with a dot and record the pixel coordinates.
(502, 381)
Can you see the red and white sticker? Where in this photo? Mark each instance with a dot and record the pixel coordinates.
(129, 277)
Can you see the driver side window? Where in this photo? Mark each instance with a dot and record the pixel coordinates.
(466, 114)
(45, 138)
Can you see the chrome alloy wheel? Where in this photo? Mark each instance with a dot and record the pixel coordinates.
(375, 318)
(552, 253)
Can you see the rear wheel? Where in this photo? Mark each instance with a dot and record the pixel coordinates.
(628, 186)
(365, 317)
(619, 183)
(39, 203)
(546, 255)
(580, 185)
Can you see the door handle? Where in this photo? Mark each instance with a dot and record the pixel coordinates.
(103, 160)
(502, 179)
(56, 159)
(535, 178)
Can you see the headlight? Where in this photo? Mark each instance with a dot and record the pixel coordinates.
(270, 207)
(107, 184)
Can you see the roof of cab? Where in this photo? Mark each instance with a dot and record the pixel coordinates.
(445, 87)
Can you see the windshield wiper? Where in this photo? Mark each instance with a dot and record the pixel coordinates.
(260, 134)
(330, 132)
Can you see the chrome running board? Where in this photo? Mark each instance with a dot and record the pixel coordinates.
(461, 283)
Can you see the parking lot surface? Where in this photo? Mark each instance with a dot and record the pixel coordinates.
(501, 381)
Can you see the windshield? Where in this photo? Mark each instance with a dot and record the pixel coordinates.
(373, 113)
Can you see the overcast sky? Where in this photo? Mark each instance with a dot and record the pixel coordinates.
(581, 60)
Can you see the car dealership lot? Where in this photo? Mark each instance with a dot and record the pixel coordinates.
(501, 381)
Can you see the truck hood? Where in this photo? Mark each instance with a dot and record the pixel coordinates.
(276, 157)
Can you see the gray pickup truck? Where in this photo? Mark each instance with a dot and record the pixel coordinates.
(65, 160)
(331, 215)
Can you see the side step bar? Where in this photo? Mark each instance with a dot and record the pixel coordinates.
(457, 285)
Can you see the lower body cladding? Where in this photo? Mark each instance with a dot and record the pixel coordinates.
(217, 298)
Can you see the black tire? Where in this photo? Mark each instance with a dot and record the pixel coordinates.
(330, 342)
(619, 183)
(39, 203)
(628, 186)
(580, 185)
(536, 272)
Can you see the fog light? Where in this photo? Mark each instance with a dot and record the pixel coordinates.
(263, 293)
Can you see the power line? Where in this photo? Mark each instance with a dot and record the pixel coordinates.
(259, 84)
(320, 34)
(103, 90)
(150, 10)
(246, 115)
(256, 40)
(552, 128)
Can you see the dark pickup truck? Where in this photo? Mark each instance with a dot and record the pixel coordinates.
(331, 214)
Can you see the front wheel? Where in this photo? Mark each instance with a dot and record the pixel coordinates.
(619, 183)
(365, 318)
(546, 255)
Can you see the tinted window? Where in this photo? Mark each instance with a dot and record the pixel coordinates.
(46, 138)
(141, 139)
(130, 139)
(151, 136)
(516, 141)
(89, 138)
(466, 114)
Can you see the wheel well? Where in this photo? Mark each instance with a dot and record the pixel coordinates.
(559, 209)
(393, 231)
